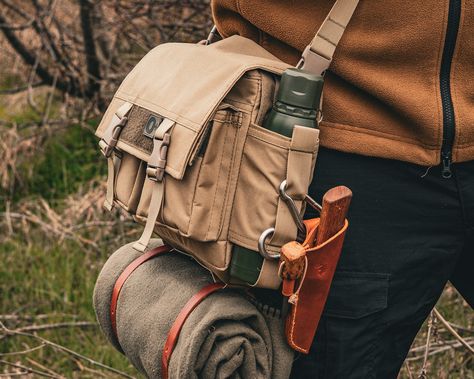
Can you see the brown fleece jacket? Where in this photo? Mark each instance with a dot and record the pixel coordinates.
(383, 92)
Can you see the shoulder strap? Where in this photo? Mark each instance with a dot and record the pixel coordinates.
(317, 56)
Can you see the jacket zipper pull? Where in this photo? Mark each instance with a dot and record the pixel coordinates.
(446, 173)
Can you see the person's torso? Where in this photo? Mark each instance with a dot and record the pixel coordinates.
(401, 80)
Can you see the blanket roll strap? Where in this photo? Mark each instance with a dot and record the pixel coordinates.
(173, 334)
(310, 299)
(179, 322)
(125, 275)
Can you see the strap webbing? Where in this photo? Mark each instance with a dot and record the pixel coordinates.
(303, 149)
(107, 145)
(113, 167)
(155, 172)
(317, 56)
(156, 201)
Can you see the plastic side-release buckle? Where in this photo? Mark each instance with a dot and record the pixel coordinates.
(108, 147)
(157, 163)
(313, 62)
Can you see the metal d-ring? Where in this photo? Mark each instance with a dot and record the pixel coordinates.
(261, 244)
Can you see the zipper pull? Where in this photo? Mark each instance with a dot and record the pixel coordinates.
(446, 160)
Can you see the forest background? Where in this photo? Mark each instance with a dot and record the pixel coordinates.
(60, 62)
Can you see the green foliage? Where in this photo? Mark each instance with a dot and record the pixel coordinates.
(70, 158)
(55, 279)
(67, 159)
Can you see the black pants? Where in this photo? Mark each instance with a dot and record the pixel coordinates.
(409, 234)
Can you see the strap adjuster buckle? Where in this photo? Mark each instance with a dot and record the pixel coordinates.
(156, 166)
(314, 62)
(108, 148)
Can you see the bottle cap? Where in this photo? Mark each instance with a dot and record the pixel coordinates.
(300, 88)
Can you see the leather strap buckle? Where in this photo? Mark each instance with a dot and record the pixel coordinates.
(156, 166)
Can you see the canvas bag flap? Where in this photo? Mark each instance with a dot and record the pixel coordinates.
(186, 83)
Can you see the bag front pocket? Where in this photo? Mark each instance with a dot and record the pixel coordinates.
(195, 205)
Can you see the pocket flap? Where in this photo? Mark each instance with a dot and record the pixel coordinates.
(186, 83)
(357, 294)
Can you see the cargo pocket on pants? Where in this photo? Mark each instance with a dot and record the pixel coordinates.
(352, 324)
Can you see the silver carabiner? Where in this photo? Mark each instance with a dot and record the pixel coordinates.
(261, 244)
(296, 216)
(292, 207)
(313, 203)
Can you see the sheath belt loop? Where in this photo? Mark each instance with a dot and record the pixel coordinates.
(156, 172)
(303, 150)
(108, 148)
(317, 56)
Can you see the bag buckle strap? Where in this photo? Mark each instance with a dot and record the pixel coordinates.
(161, 140)
(157, 163)
(108, 147)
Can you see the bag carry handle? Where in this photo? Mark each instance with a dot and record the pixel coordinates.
(317, 56)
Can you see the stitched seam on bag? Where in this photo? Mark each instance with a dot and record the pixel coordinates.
(268, 142)
(213, 207)
(177, 116)
(194, 195)
(229, 100)
(237, 184)
(229, 84)
(260, 132)
(229, 171)
(258, 97)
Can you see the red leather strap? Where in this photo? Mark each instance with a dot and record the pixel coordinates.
(173, 334)
(124, 276)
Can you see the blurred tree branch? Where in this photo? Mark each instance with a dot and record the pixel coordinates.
(84, 48)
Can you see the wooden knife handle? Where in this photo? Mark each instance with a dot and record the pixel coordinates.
(335, 206)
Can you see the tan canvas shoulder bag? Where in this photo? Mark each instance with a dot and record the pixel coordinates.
(188, 157)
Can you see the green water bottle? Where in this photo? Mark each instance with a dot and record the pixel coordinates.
(296, 103)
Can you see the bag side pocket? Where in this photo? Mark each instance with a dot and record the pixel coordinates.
(262, 170)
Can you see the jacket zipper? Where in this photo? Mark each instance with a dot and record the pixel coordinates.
(454, 17)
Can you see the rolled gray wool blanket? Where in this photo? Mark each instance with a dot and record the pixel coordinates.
(226, 336)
